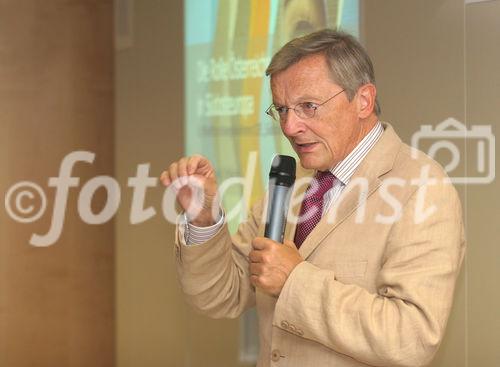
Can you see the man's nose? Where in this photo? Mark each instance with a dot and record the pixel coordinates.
(292, 124)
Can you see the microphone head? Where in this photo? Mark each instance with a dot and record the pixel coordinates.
(283, 170)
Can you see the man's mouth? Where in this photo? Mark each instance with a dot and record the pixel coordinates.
(305, 144)
(304, 147)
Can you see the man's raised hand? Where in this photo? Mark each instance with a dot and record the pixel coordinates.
(193, 179)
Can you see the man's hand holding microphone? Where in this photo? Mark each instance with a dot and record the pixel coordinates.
(194, 181)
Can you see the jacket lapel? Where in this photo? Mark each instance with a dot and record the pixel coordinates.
(363, 183)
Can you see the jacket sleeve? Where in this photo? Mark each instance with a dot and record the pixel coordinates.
(404, 322)
(214, 275)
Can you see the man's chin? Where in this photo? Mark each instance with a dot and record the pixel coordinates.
(311, 163)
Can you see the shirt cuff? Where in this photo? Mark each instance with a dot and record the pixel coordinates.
(195, 235)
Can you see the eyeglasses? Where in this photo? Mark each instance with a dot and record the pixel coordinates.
(304, 110)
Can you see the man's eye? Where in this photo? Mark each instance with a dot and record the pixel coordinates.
(281, 109)
(309, 106)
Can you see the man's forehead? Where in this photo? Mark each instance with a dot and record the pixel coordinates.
(312, 64)
(306, 78)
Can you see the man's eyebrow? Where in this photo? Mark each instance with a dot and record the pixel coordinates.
(309, 97)
(301, 99)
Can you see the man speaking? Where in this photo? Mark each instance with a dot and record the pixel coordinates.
(373, 243)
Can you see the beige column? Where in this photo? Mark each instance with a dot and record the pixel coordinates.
(56, 96)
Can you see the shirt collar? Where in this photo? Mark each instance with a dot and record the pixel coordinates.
(345, 168)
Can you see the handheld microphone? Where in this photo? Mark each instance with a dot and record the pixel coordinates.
(281, 179)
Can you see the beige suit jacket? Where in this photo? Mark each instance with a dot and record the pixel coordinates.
(377, 283)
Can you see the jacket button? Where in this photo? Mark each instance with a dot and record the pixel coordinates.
(275, 355)
(285, 324)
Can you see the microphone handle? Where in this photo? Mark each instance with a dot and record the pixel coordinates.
(276, 213)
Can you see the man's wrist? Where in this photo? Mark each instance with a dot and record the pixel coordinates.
(197, 235)
(205, 218)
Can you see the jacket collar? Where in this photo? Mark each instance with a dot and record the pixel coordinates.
(365, 180)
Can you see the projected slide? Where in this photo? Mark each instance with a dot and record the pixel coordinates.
(228, 45)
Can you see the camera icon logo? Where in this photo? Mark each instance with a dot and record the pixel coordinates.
(467, 155)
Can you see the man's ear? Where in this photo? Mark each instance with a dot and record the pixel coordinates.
(366, 100)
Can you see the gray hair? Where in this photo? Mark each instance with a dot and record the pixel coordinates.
(349, 63)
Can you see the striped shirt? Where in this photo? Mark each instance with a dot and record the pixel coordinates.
(343, 171)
